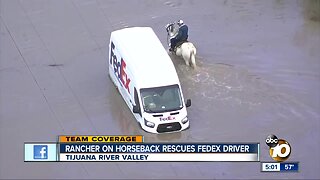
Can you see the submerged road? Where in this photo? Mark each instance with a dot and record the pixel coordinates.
(259, 74)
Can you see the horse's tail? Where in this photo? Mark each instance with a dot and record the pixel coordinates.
(193, 58)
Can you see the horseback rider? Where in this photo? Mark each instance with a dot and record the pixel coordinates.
(182, 35)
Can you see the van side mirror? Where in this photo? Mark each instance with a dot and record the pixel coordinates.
(136, 109)
(188, 103)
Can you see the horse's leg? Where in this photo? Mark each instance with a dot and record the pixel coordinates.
(186, 57)
(193, 59)
(187, 61)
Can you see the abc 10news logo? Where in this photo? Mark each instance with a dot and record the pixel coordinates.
(279, 149)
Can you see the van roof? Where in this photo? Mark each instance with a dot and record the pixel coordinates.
(149, 61)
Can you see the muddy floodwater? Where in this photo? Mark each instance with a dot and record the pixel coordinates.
(258, 74)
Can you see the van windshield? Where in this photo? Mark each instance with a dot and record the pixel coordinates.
(161, 99)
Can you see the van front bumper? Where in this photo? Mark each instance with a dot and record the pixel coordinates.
(167, 127)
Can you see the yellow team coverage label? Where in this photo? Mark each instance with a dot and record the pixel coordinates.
(102, 139)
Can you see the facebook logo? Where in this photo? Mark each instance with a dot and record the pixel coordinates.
(40, 152)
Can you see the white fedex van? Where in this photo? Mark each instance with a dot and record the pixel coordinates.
(145, 76)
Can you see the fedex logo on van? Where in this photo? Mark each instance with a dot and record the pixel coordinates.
(119, 69)
(167, 118)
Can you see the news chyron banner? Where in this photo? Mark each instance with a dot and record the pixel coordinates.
(133, 148)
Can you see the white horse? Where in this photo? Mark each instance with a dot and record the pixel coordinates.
(186, 50)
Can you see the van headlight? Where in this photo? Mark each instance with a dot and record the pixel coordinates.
(185, 120)
(148, 123)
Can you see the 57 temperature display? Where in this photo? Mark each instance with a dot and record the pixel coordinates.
(280, 167)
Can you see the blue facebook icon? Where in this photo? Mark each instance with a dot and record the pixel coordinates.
(40, 152)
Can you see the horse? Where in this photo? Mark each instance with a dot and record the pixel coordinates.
(186, 49)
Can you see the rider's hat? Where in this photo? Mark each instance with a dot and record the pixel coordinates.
(180, 22)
